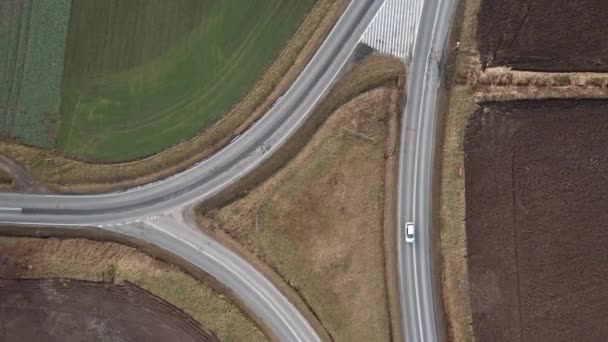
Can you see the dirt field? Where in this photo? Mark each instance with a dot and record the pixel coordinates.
(318, 222)
(469, 85)
(116, 264)
(502, 83)
(536, 213)
(550, 35)
(72, 310)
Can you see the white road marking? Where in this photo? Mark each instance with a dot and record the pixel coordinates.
(233, 271)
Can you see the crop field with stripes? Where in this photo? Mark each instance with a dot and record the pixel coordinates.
(118, 80)
(32, 44)
(142, 76)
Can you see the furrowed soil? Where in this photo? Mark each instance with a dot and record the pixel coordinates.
(129, 282)
(536, 218)
(318, 222)
(470, 85)
(143, 76)
(33, 36)
(548, 35)
(75, 310)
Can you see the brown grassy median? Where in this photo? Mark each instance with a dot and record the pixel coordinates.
(66, 175)
(97, 261)
(319, 221)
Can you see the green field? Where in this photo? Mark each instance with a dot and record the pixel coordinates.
(143, 75)
(32, 44)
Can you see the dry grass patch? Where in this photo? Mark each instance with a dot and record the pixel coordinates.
(504, 84)
(88, 260)
(467, 55)
(512, 93)
(455, 280)
(453, 235)
(318, 222)
(67, 175)
(6, 181)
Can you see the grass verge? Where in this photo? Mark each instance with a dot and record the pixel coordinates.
(453, 236)
(461, 104)
(97, 261)
(319, 221)
(67, 175)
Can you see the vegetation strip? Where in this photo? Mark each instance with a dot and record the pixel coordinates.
(543, 35)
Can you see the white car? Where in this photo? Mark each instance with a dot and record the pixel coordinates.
(409, 232)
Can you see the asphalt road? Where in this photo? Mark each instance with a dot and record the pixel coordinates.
(183, 240)
(222, 169)
(419, 289)
(256, 292)
(149, 213)
(128, 212)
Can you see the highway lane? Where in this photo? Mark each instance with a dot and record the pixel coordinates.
(418, 286)
(222, 169)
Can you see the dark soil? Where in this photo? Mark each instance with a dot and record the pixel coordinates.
(549, 35)
(74, 310)
(537, 220)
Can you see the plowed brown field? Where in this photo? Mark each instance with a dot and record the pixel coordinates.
(537, 220)
(76, 310)
(550, 35)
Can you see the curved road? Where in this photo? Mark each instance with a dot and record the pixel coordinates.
(128, 213)
(222, 169)
(419, 290)
(154, 213)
